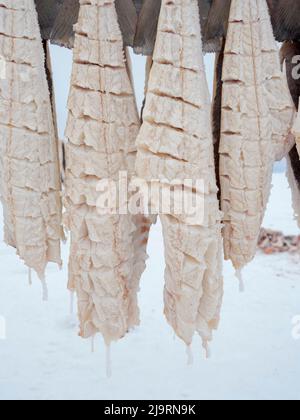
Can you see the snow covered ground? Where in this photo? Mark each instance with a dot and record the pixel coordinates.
(254, 354)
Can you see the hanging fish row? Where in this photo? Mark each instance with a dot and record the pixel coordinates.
(253, 116)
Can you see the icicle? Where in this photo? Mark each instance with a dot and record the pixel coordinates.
(108, 361)
(29, 276)
(190, 356)
(205, 345)
(93, 344)
(239, 276)
(45, 290)
(72, 302)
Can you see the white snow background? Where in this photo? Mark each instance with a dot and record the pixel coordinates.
(254, 354)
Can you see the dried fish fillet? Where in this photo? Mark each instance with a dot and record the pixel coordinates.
(175, 143)
(29, 167)
(108, 251)
(257, 115)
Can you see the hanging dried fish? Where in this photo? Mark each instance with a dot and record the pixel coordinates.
(108, 252)
(276, 89)
(175, 143)
(257, 115)
(29, 167)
